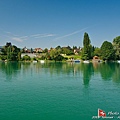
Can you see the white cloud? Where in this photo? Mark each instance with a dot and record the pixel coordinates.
(35, 35)
(17, 39)
(42, 35)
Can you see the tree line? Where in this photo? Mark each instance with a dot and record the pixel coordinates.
(107, 52)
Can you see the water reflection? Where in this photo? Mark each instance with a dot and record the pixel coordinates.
(10, 69)
(87, 70)
(108, 71)
(116, 74)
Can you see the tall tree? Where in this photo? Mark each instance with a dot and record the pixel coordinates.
(107, 51)
(116, 44)
(86, 51)
(11, 52)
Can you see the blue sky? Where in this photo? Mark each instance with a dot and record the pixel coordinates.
(49, 23)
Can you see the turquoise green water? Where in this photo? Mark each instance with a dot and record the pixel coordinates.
(58, 91)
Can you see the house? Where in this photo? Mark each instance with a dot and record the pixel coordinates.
(26, 50)
(96, 59)
(76, 51)
(38, 50)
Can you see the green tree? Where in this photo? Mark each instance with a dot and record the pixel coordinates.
(67, 50)
(55, 55)
(11, 52)
(107, 51)
(116, 44)
(26, 58)
(45, 50)
(74, 47)
(97, 52)
(58, 47)
(59, 58)
(86, 51)
(31, 50)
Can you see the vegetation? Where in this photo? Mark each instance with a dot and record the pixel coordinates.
(26, 58)
(116, 45)
(108, 51)
(86, 51)
(10, 52)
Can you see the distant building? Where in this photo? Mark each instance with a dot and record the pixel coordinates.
(76, 51)
(32, 55)
(38, 50)
(26, 50)
(96, 59)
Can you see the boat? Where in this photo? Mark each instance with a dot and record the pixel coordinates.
(118, 61)
(34, 61)
(86, 61)
(76, 61)
(42, 61)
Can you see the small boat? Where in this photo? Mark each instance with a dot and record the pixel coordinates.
(76, 61)
(42, 61)
(118, 61)
(86, 61)
(34, 61)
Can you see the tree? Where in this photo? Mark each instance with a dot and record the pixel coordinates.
(67, 50)
(45, 50)
(31, 50)
(58, 47)
(116, 45)
(59, 58)
(97, 52)
(86, 51)
(74, 47)
(10, 52)
(107, 51)
(26, 58)
(54, 53)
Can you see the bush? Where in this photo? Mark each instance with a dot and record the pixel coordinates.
(26, 58)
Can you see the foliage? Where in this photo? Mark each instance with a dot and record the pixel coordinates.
(45, 50)
(42, 57)
(3, 57)
(31, 50)
(86, 51)
(74, 47)
(59, 58)
(11, 53)
(92, 49)
(67, 50)
(107, 51)
(58, 47)
(116, 44)
(26, 58)
(97, 52)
